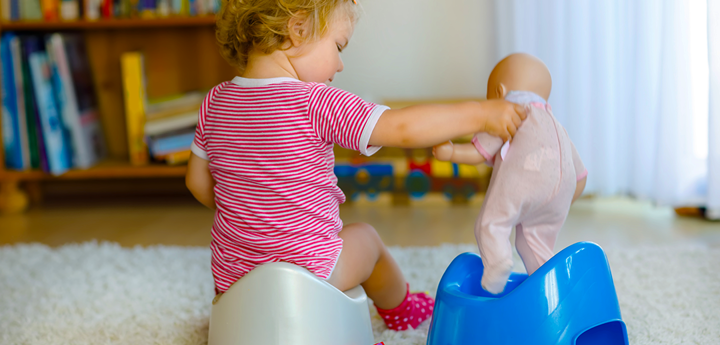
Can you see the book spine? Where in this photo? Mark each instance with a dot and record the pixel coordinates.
(37, 150)
(50, 9)
(92, 9)
(5, 10)
(80, 77)
(14, 9)
(10, 128)
(166, 145)
(20, 101)
(55, 144)
(30, 10)
(69, 10)
(177, 158)
(192, 7)
(134, 90)
(149, 9)
(69, 107)
(107, 10)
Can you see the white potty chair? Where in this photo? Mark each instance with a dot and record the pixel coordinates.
(285, 304)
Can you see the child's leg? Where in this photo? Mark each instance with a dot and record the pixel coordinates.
(366, 261)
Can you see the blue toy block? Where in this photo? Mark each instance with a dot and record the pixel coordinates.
(570, 300)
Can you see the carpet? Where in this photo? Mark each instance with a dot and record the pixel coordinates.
(100, 293)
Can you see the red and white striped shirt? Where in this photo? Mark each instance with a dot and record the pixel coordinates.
(270, 147)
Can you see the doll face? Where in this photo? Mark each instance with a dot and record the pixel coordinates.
(320, 60)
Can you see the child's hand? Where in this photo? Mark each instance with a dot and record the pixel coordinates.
(503, 118)
(444, 151)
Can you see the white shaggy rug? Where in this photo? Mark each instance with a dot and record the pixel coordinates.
(95, 293)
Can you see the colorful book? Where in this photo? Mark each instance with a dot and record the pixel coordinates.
(5, 10)
(92, 9)
(78, 108)
(30, 10)
(148, 8)
(178, 157)
(10, 125)
(69, 10)
(106, 9)
(170, 124)
(38, 155)
(58, 150)
(14, 9)
(133, 76)
(50, 9)
(168, 144)
(16, 52)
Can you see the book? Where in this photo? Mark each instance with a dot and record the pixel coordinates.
(135, 102)
(5, 10)
(78, 108)
(30, 10)
(159, 108)
(10, 125)
(58, 151)
(148, 8)
(164, 145)
(92, 9)
(16, 54)
(69, 10)
(38, 156)
(106, 9)
(177, 158)
(170, 124)
(50, 9)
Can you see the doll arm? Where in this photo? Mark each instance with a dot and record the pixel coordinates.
(200, 182)
(458, 153)
(487, 145)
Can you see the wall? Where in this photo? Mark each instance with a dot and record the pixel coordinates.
(420, 49)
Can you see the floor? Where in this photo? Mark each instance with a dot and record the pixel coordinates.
(432, 221)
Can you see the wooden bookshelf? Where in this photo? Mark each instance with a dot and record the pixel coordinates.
(107, 169)
(135, 23)
(180, 55)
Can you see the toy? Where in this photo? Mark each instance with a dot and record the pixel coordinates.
(281, 303)
(535, 178)
(569, 300)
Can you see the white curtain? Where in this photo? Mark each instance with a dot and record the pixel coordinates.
(630, 84)
(714, 115)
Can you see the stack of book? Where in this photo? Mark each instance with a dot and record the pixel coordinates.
(50, 118)
(52, 10)
(162, 130)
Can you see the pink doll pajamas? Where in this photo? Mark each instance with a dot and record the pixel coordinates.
(531, 188)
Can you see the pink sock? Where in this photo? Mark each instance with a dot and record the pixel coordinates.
(416, 308)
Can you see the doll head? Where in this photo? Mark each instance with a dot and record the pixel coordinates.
(266, 26)
(519, 72)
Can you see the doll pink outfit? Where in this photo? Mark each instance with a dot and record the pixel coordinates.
(531, 188)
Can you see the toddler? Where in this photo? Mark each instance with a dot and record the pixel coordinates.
(535, 178)
(263, 151)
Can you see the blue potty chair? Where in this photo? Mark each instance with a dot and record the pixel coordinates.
(570, 300)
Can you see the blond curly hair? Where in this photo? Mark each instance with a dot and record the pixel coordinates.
(244, 25)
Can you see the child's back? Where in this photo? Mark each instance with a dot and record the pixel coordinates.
(269, 143)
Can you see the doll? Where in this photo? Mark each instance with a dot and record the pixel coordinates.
(535, 178)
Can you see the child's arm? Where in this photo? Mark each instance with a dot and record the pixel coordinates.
(200, 182)
(458, 153)
(431, 124)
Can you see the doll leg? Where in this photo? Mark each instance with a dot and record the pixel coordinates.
(536, 242)
(493, 237)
